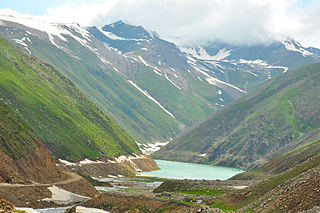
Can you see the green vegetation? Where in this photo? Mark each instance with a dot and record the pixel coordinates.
(140, 117)
(204, 191)
(223, 206)
(149, 179)
(279, 171)
(16, 137)
(262, 188)
(243, 133)
(68, 123)
(165, 209)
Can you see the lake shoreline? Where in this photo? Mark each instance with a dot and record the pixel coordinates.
(192, 171)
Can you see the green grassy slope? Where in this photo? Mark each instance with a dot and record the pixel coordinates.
(17, 138)
(136, 114)
(264, 121)
(69, 124)
(23, 157)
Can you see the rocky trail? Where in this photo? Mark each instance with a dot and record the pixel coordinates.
(72, 177)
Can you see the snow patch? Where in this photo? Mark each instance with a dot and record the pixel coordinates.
(222, 54)
(217, 82)
(87, 161)
(52, 29)
(202, 54)
(129, 159)
(61, 196)
(89, 210)
(67, 163)
(115, 37)
(218, 65)
(158, 73)
(261, 63)
(151, 98)
(219, 92)
(199, 79)
(165, 75)
(291, 45)
(155, 69)
(153, 147)
(20, 41)
(203, 155)
(28, 210)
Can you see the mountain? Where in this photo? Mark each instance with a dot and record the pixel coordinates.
(243, 133)
(290, 182)
(248, 67)
(152, 88)
(23, 157)
(70, 125)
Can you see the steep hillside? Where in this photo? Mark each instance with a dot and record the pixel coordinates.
(68, 123)
(291, 182)
(244, 132)
(151, 87)
(23, 157)
(287, 158)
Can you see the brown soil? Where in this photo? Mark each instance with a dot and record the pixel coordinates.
(31, 195)
(295, 195)
(37, 166)
(116, 203)
(7, 207)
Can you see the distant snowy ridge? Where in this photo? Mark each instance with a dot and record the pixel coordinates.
(202, 54)
(52, 29)
(292, 45)
(263, 64)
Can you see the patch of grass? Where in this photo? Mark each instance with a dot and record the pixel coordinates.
(223, 206)
(149, 179)
(165, 209)
(204, 191)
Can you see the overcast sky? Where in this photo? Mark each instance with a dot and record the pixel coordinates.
(192, 21)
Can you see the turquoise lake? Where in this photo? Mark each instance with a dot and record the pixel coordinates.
(180, 170)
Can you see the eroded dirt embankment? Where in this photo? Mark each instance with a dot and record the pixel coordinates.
(36, 166)
(32, 195)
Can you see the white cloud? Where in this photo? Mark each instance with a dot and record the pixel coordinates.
(198, 21)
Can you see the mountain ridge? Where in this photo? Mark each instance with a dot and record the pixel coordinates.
(261, 122)
(102, 61)
(68, 123)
